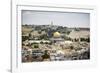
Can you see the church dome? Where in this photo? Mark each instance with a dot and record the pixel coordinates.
(56, 34)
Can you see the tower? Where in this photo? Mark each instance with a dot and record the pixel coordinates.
(51, 23)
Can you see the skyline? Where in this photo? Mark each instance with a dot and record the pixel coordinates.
(67, 19)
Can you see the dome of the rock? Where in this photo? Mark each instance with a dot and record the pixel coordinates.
(56, 34)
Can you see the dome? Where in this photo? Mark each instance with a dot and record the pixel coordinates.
(56, 34)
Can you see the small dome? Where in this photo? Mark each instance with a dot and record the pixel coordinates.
(56, 34)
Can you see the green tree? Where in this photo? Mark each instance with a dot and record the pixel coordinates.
(36, 46)
(68, 32)
(41, 42)
(71, 47)
(46, 55)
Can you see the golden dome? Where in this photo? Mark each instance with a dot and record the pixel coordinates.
(56, 34)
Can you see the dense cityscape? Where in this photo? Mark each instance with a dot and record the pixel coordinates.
(54, 43)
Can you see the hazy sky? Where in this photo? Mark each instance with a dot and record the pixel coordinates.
(58, 18)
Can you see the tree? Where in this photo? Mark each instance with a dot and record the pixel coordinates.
(71, 47)
(25, 38)
(88, 39)
(44, 36)
(39, 32)
(77, 29)
(85, 39)
(46, 55)
(46, 43)
(41, 42)
(36, 46)
(50, 43)
(68, 32)
(66, 38)
(82, 39)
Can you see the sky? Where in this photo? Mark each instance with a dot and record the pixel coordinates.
(68, 19)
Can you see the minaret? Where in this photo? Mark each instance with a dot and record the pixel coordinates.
(51, 23)
(49, 30)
